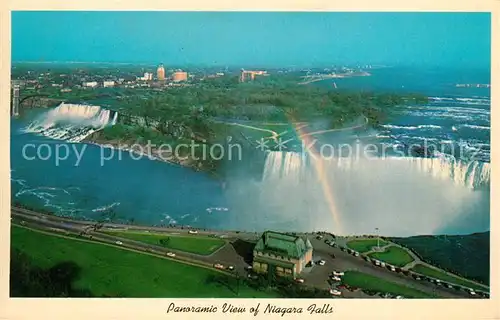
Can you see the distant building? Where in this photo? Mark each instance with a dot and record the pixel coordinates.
(284, 254)
(148, 76)
(107, 84)
(247, 75)
(160, 72)
(179, 76)
(92, 84)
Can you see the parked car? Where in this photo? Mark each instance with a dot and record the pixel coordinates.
(119, 242)
(392, 268)
(335, 292)
(376, 262)
(472, 292)
(356, 254)
(171, 254)
(382, 264)
(193, 231)
(248, 268)
(299, 280)
(321, 262)
(218, 266)
(327, 242)
(319, 237)
(231, 268)
(399, 297)
(337, 273)
(334, 278)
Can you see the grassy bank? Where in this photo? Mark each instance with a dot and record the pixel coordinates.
(439, 274)
(368, 282)
(107, 271)
(393, 255)
(465, 255)
(365, 245)
(193, 244)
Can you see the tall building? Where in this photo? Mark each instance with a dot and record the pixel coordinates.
(160, 72)
(179, 76)
(15, 101)
(282, 254)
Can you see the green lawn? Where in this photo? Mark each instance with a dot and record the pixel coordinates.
(393, 255)
(439, 274)
(191, 243)
(369, 282)
(114, 272)
(364, 245)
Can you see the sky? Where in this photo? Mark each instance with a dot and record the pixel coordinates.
(254, 38)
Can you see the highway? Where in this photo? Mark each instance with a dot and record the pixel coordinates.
(317, 276)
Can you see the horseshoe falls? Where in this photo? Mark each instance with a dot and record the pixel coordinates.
(399, 195)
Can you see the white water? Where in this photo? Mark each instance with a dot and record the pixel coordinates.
(471, 174)
(72, 122)
(400, 196)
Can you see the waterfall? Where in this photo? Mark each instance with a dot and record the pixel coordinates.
(471, 174)
(72, 122)
(402, 196)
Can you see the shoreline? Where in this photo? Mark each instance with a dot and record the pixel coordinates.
(152, 155)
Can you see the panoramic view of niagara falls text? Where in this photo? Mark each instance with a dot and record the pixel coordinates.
(250, 155)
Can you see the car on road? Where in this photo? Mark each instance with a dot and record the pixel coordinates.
(193, 231)
(218, 266)
(171, 254)
(119, 243)
(335, 292)
(321, 262)
(337, 273)
(231, 268)
(299, 280)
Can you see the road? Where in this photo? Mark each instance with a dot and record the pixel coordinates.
(226, 255)
(344, 261)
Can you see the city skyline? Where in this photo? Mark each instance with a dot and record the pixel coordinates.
(267, 39)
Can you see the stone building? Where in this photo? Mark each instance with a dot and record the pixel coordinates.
(284, 254)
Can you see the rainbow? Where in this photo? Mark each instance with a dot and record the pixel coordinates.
(318, 163)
